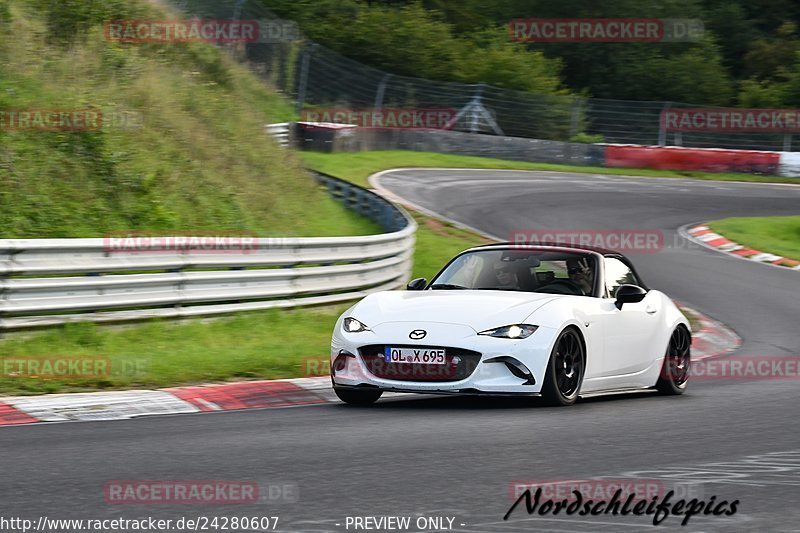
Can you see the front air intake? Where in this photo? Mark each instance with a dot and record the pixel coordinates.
(459, 364)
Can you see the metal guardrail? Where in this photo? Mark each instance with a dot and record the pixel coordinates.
(45, 282)
(280, 131)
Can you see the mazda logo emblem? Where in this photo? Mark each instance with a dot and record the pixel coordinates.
(417, 334)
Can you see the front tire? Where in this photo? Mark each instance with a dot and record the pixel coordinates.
(564, 375)
(358, 396)
(674, 375)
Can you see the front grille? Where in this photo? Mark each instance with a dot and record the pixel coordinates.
(460, 364)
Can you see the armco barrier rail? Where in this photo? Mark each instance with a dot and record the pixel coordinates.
(45, 282)
(280, 131)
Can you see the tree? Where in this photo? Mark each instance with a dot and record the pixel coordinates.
(490, 58)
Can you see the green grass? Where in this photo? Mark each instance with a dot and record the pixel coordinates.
(197, 157)
(437, 243)
(265, 345)
(360, 165)
(776, 235)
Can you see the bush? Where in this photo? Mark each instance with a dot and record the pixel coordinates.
(69, 19)
(587, 138)
(5, 12)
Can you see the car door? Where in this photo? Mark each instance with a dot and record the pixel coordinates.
(630, 331)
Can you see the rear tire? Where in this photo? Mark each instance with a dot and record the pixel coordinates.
(564, 374)
(357, 396)
(674, 375)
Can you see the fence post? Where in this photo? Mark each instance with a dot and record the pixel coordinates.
(576, 110)
(662, 130)
(381, 92)
(787, 142)
(237, 10)
(303, 81)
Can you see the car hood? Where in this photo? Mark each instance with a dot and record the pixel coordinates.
(478, 309)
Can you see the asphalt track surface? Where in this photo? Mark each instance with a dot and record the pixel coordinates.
(456, 457)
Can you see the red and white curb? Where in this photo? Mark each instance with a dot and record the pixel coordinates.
(712, 340)
(119, 405)
(702, 234)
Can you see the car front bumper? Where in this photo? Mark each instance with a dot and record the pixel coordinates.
(500, 366)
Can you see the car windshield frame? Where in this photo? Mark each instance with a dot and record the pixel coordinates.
(542, 254)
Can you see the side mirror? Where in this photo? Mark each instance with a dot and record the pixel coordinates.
(629, 294)
(417, 284)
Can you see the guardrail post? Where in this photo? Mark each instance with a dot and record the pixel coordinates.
(387, 218)
(180, 288)
(358, 199)
(374, 208)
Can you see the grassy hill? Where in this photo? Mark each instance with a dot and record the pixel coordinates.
(192, 156)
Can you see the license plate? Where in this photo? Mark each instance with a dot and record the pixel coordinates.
(414, 355)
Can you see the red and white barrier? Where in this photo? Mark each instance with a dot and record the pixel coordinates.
(789, 165)
(695, 159)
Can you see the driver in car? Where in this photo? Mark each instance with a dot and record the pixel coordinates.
(506, 277)
(581, 274)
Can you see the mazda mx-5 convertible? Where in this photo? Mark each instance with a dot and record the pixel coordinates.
(507, 319)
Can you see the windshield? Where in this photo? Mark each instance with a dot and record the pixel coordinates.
(551, 272)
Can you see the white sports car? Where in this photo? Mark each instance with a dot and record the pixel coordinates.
(554, 321)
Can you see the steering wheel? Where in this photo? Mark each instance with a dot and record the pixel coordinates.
(570, 285)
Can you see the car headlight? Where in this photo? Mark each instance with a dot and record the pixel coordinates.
(351, 325)
(514, 331)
